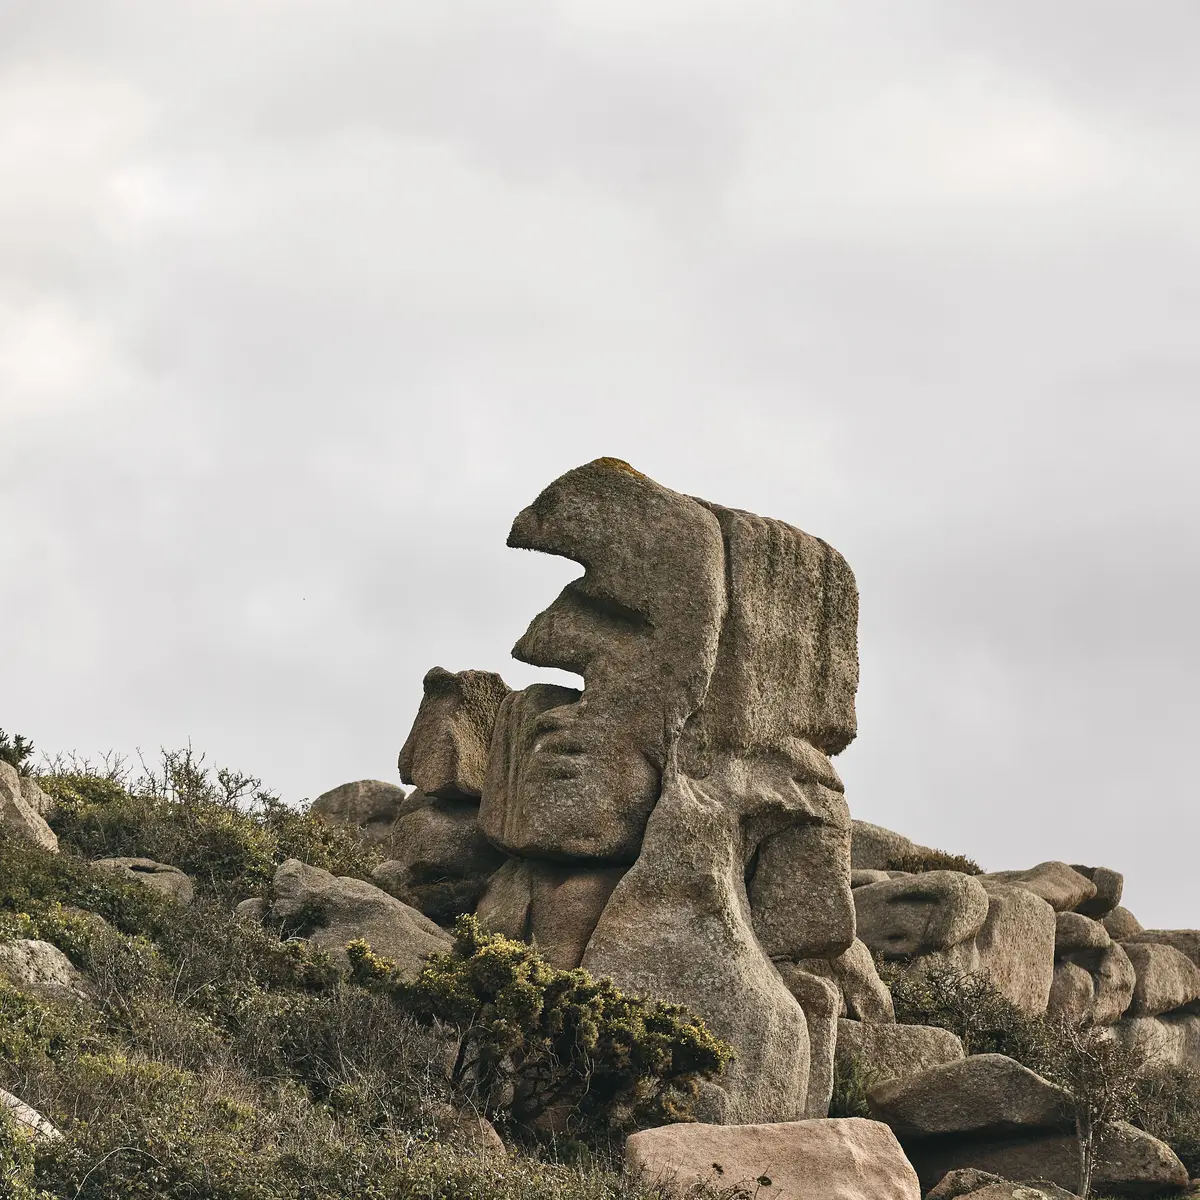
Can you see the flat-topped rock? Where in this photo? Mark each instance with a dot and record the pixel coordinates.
(1186, 941)
(1016, 945)
(920, 914)
(1073, 931)
(1061, 886)
(1165, 978)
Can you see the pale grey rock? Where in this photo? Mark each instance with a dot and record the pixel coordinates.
(883, 1052)
(1165, 978)
(252, 909)
(553, 905)
(353, 908)
(862, 878)
(28, 1120)
(38, 800)
(1016, 946)
(984, 1094)
(1059, 885)
(367, 805)
(1109, 886)
(32, 963)
(1121, 924)
(1186, 941)
(19, 819)
(821, 1002)
(1074, 931)
(441, 860)
(919, 915)
(847, 1158)
(874, 848)
(1073, 994)
(865, 997)
(1114, 979)
(1130, 1162)
(162, 877)
(446, 753)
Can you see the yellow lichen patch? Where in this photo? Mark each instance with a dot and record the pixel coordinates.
(616, 464)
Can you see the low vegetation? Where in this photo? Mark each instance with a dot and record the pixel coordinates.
(917, 862)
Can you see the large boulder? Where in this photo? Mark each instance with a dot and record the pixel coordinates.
(368, 805)
(873, 848)
(884, 1052)
(1165, 978)
(19, 817)
(1072, 995)
(1059, 885)
(821, 1002)
(1109, 886)
(1114, 979)
(347, 909)
(1074, 931)
(865, 997)
(920, 914)
(441, 862)
(162, 877)
(31, 963)
(1016, 945)
(847, 1158)
(1121, 924)
(983, 1094)
(1186, 941)
(446, 753)
(1130, 1162)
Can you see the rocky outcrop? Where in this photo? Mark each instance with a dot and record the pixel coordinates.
(1186, 941)
(344, 909)
(446, 753)
(441, 860)
(31, 963)
(879, 1053)
(1062, 887)
(1016, 945)
(1165, 979)
(20, 817)
(849, 1158)
(821, 1002)
(1121, 924)
(920, 914)
(1109, 886)
(865, 997)
(162, 877)
(873, 848)
(369, 806)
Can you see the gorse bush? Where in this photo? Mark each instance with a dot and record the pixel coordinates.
(532, 1037)
(917, 862)
(220, 826)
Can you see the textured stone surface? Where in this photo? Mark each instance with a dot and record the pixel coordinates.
(847, 1158)
(983, 1094)
(1121, 924)
(1073, 931)
(1058, 884)
(1186, 941)
(821, 1002)
(441, 860)
(554, 905)
(1114, 979)
(1130, 1163)
(886, 1052)
(369, 805)
(446, 753)
(353, 908)
(1109, 886)
(1166, 978)
(38, 800)
(162, 877)
(29, 962)
(920, 914)
(28, 1120)
(1073, 994)
(1016, 946)
(872, 847)
(983, 1185)
(19, 818)
(862, 878)
(865, 996)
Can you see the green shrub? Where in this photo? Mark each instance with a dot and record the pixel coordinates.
(917, 862)
(220, 826)
(851, 1082)
(532, 1037)
(16, 751)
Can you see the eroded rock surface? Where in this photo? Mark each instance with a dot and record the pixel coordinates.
(920, 914)
(19, 815)
(162, 877)
(888, 1052)
(368, 805)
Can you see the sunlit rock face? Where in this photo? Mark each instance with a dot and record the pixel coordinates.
(718, 653)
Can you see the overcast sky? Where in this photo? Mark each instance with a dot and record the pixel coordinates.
(301, 301)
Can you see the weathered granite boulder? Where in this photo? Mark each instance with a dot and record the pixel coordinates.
(885, 1052)
(1059, 885)
(1109, 886)
(822, 1002)
(848, 1158)
(1130, 1162)
(1073, 994)
(984, 1094)
(368, 805)
(19, 815)
(1186, 941)
(865, 997)
(31, 963)
(1121, 924)
(1073, 931)
(41, 802)
(1165, 978)
(552, 904)
(446, 753)
(351, 908)
(28, 1120)
(162, 877)
(983, 1185)
(441, 860)
(1016, 945)
(920, 914)
(1114, 979)
(873, 848)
